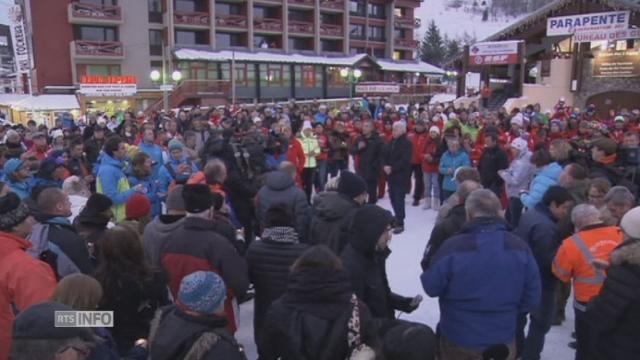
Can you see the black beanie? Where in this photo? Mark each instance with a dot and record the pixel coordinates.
(98, 203)
(409, 341)
(351, 184)
(197, 198)
(367, 225)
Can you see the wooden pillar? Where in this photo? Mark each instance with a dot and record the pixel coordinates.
(462, 78)
(522, 50)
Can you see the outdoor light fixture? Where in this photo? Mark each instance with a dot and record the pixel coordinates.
(155, 75)
(176, 76)
(344, 72)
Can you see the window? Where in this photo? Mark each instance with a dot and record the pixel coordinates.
(376, 10)
(300, 15)
(357, 31)
(357, 50)
(87, 69)
(331, 45)
(100, 2)
(308, 76)
(400, 33)
(275, 75)
(376, 33)
(397, 55)
(230, 40)
(191, 5)
(191, 37)
(399, 12)
(155, 11)
(300, 44)
(333, 19)
(379, 53)
(229, 9)
(155, 42)
(96, 33)
(266, 12)
(357, 8)
(267, 41)
(245, 74)
(334, 80)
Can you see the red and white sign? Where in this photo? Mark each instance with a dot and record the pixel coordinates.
(377, 88)
(103, 85)
(606, 35)
(494, 53)
(108, 79)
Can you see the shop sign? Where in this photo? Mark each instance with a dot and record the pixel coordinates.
(617, 64)
(606, 35)
(19, 38)
(494, 53)
(99, 85)
(377, 88)
(567, 25)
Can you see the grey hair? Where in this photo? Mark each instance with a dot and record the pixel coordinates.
(585, 214)
(482, 203)
(400, 125)
(44, 349)
(213, 169)
(466, 188)
(620, 195)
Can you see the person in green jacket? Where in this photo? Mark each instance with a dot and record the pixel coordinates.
(311, 149)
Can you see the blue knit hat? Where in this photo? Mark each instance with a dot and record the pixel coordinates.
(12, 165)
(175, 144)
(202, 292)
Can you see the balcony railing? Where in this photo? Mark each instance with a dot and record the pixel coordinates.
(330, 30)
(194, 89)
(98, 48)
(407, 43)
(332, 4)
(407, 23)
(302, 2)
(267, 24)
(422, 88)
(231, 21)
(81, 11)
(300, 27)
(191, 18)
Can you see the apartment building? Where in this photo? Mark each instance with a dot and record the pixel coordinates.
(279, 48)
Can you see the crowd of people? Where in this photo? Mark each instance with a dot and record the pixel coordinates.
(171, 220)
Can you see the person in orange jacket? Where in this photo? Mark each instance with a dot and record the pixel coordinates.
(295, 153)
(24, 281)
(581, 258)
(419, 138)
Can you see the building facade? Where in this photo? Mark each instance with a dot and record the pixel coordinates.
(278, 48)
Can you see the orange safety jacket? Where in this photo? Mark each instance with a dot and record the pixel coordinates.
(575, 257)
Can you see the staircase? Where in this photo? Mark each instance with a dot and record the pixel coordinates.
(194, 91)
(500, 97)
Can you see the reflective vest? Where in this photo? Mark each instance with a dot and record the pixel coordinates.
(119, 211)
(575, 257)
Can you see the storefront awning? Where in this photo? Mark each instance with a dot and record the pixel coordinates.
(261, 57)
(11, 99)
(409, 66)
(47, 102)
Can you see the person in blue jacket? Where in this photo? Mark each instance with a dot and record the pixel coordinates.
(484, 278)
(50, 174)
(17, 176)
(142, 174)
(111, 179)
(548, 175)
(178, 169)
(453, 159)
(149, 147)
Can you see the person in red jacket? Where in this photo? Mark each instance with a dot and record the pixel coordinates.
(295, 153)
(430, 167)
(418, 137)
(24, 281)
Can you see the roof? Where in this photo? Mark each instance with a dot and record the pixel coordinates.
(47, 102)
(547, 10)
(409, 66)
(10, 99)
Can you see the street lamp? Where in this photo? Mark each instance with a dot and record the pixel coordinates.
(351, 76)
(158, 76)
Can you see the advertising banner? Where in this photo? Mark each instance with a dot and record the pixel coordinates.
(377, 88)
(19, 39)
(494, 53)
(100, 85)
(617, 64)
(606, 35)
(604, 21)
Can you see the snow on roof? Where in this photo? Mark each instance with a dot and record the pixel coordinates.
(442, 98)
(409, 66)
(48, 102)
(227, 55)
(10, 99)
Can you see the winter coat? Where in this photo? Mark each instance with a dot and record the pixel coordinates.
(431, 148)
(451, 162)
(310, 320)
(92, 148)
(134, 303)
(442, 231)
(369, 164)
(470, 274)
(398, 157)
(168, 173)
(24, 281)
(418, 142)
(614, 315)
(295, 154)
(538, 228)
(176, 335)
(155, 153)
(519, 174)
(62, 234)
(493, 160)
(338, 146)
(112, 182)
(156, 234)
(332, 213)
(280, 188)
(310, 144)
(195, 246)
(546, 178)
(269, 261)
(152, 192)
(20, 188)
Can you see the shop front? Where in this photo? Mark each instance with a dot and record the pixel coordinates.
(112, 94)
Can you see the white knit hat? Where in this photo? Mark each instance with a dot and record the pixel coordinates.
(519, 144)
(434, 129)
(306, 125)
(518, 119)
(630, 223)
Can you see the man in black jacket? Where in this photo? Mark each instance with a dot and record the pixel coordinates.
(493, 160)
(398, 169)
(369, 148)
(93, 146)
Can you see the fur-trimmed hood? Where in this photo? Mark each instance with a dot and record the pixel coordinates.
(628, 252)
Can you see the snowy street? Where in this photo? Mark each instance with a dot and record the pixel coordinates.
(403, 269)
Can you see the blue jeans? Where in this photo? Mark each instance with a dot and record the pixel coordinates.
(541, 318)
(431, 185)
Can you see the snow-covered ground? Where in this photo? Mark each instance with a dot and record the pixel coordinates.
(403, 268)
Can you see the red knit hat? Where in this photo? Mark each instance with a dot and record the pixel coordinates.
(138, 206)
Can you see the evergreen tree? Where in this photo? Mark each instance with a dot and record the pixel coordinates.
(452, 48)
(432, 49)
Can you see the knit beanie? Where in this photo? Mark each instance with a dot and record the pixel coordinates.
(37, 322)
(435, 129)
(175, 144)
(197, 198)
(351, 184)
(12, 211)
(519, 144)
(175, 200)
(202, 292)
(137, 206)
(98, 203)
(12, 165)
(630, 223)
(607, 145)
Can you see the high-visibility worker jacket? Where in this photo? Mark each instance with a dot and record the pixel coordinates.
(575, 256)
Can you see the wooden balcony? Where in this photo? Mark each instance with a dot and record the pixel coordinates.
(332, 4)
(191, 19)
(267, 25)
(89, 14)
(406, 43)
(231, 21)
(407, 23)
(300, 27)
(303, 3)
(422, 89)
(97, 49)
(330, 30)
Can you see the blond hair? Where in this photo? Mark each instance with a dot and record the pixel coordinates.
(79, 291)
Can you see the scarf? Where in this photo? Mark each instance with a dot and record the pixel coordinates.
(284, 234)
